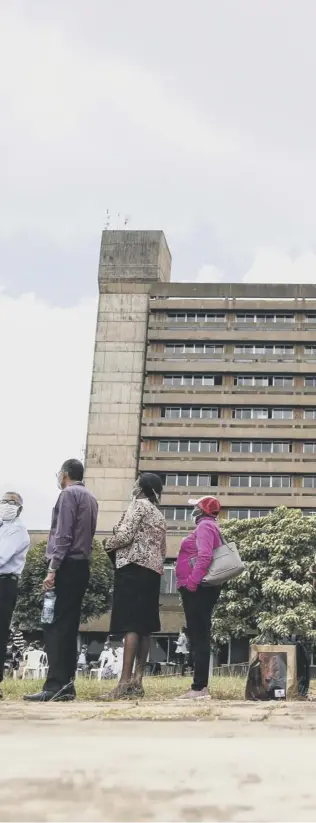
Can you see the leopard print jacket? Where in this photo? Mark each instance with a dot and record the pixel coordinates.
(140, 537)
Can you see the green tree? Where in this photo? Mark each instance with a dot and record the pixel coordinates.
(274, 597)
(30, 597)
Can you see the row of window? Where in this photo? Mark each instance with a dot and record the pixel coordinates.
(240, 317)
(211, 413)
(237, 447)
(261, 481)
(188, 446)
(240, 348)
(193, 348)
(276, 381)
(248, 514)
(240, 481)
(192, 380)
(184, 514)
(192, 479)
(255, 380)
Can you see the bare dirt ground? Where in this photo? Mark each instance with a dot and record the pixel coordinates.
(158, 762)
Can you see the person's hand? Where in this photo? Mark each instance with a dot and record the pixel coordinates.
(49, 581)
(191, 587)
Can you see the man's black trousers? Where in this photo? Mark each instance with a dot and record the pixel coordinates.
(198, 607)
(8, 595)
(60, 636)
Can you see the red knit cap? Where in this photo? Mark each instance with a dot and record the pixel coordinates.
(209, 505)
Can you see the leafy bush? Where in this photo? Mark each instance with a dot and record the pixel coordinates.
(30, 597)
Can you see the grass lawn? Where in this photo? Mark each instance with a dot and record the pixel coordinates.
(156, 688)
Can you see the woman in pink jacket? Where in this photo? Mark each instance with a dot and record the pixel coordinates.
(198, 601)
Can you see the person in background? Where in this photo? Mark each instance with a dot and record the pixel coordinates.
(139, 543)
(182, 650)
(198, 601)
(14, 543)
(68, 553)
(18, 640)
(82, 664)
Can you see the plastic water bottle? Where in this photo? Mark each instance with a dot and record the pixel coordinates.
(48, 610)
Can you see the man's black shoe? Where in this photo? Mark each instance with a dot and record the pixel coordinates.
(47, 697)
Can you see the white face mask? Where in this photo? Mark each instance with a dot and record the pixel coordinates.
(196, 513)
(136, 490)
(59, 480)
(8, 511)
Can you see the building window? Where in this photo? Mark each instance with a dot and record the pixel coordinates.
(250, 414)
(262, 414)
(179, 513)
(260, 380)
(310, 350)
(192, 479)
(193, 348)
(168, 580)
(176, 380)
(194, 446)
(309, 414)
(281, 414)
(264, 481)
(188, 413)
(265, 318)
(309, 448)
(247, 514)
(261, 447)
(308, 512)
(310, 382)
(310, 318)
(309, 482)
(196, 317)
(263, 349)
(250, 380)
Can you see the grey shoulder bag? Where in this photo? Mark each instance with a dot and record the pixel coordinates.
(225, 565)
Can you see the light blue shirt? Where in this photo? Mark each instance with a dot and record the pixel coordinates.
(14, 543)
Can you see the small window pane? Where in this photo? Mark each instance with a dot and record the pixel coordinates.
(173, 445)
(184, 446)
(194, 446)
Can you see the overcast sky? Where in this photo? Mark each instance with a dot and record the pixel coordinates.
(194, 117)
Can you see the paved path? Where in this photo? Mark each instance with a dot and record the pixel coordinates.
(226, 762)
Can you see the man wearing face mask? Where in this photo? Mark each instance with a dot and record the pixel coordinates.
(68, 553)
(14, 543)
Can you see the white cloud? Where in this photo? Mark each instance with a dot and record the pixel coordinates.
(209, 274)
(46, 366)
(271, 266)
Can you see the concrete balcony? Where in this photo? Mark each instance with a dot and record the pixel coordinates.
(227, 365)
(232, 498)
(233, 464)
(234, 297)
(221, 429)
(168, 331)
(221, 396)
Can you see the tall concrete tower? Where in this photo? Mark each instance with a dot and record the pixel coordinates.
(130, 262)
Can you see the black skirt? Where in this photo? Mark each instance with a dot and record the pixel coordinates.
(135, 600)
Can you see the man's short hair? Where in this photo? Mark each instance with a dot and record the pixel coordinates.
(16, 495)
(73, 468)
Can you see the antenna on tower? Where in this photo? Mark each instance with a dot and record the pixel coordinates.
(126, 220)
(107, 220)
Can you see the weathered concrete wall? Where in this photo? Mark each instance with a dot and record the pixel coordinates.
(119, 363)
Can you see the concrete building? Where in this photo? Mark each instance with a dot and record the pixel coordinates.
(210, 385)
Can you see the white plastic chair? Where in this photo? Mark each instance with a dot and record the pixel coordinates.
(35, 664)
(106, 661)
